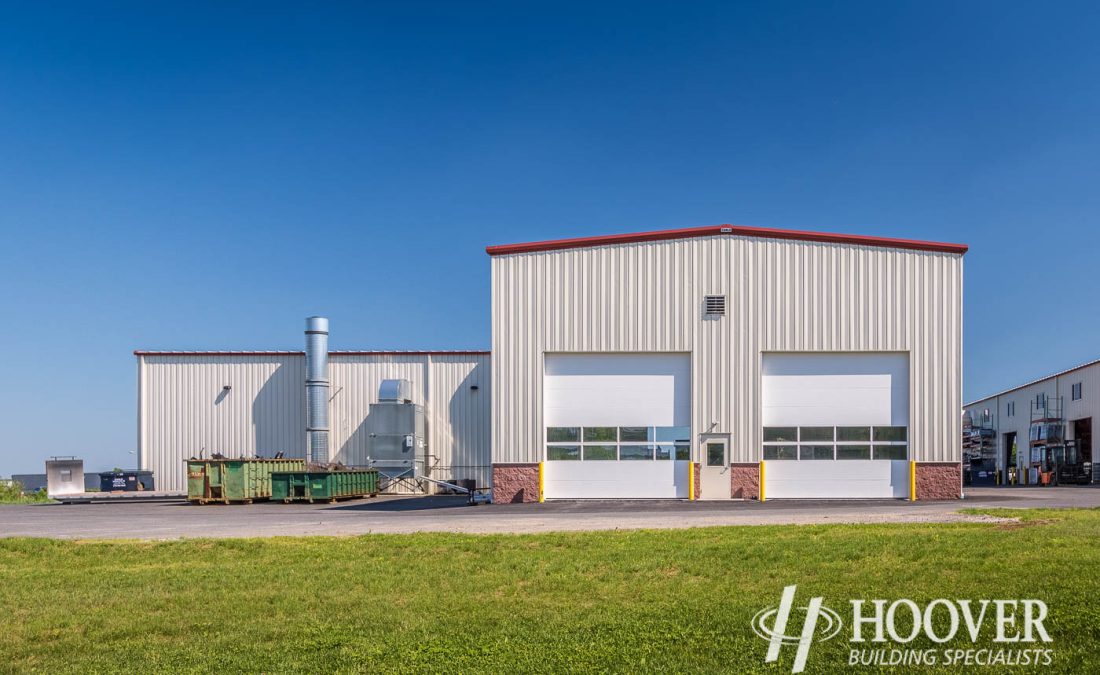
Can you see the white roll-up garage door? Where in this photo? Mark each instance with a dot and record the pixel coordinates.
(604, 412)
(835, 425)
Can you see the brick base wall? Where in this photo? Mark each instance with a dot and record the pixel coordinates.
(514, 483)
(745, 481)
(939, 480)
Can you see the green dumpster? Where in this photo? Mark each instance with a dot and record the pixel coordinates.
(323, 486)
(234, 480)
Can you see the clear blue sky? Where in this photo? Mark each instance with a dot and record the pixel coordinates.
(195, 177)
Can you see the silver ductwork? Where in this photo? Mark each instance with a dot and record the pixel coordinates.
(317, 390)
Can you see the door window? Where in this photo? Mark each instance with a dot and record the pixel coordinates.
(716, 454)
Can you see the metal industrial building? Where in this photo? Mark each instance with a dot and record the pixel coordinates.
(1017, 435)
(241, 404)
(710, 363)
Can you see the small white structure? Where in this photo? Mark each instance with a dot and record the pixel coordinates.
(64, 476)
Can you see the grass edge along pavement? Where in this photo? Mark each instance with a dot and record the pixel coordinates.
(622, 601)
(11, 492)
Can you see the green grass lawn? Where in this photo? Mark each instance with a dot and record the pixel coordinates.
(659, 601)
(11, 492)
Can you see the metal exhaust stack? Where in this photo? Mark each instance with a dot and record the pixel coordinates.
(317, 390)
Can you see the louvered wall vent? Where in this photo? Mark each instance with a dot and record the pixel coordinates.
(715, 305)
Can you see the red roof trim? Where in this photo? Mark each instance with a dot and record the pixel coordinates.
(437, 352)
(737, 230)
(433, 352)
(143, 352)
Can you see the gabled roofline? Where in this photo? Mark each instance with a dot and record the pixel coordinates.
(1025, 385)
(736, 230)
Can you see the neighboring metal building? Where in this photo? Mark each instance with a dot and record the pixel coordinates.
(254, 403)
(821, 365)
(1070, 397)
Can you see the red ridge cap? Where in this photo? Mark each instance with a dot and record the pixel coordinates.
(736, 230)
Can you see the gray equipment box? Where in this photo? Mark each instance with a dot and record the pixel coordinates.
(397, 444)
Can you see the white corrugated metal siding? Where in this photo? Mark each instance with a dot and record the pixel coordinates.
(782, 296)
(458, 416)
(184, 410)
(179, 413)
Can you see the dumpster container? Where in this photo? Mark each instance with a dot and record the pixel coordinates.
(125, 481)
(241, 480)
(324, 486)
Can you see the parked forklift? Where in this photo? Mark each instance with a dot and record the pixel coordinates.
(1061, 463)
(1054, 460)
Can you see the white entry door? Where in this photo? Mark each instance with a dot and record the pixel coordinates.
(714, 470)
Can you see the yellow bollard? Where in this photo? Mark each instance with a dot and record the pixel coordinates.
(691, 481)
(542, 484)
(912, 481)
(762, 480)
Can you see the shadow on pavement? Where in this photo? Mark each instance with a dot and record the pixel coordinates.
(399, 504)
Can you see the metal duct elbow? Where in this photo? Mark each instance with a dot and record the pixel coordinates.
(317, 390)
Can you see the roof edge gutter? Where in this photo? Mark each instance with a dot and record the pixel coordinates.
(736, 230)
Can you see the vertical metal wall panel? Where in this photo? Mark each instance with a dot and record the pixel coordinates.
(180, 414)
(458, 416)
(781, 296)
(354, 382)
(184, 410)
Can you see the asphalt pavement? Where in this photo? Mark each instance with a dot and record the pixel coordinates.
(394, 514)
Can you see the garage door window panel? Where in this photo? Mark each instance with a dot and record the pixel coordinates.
(600, 435)
(815, 452)
(781, 452)
(894, 452)
(850, 434)
(891, 434)
(816, 443)
(627, 443)
(563, 452)
(563, 435)
(600, 452)
(853, 452)
(635, 452)
(816, 434)
(672, 434)
(636, 434)
(780, 434)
